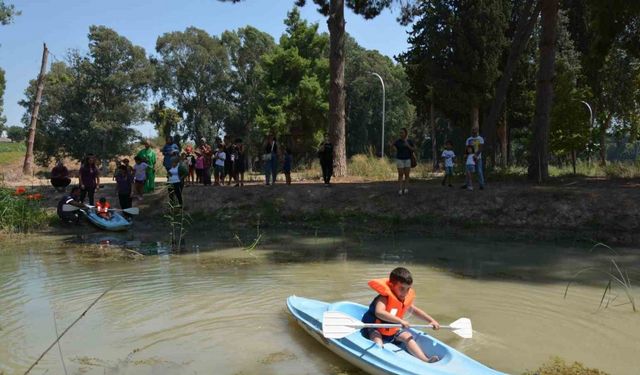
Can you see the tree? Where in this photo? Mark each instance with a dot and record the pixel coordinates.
(334, 11)
(194, 73)
(3, 82)
(92, 100)
(16, 133)
(166, 120)
(293, 91)
(539, 148)
(7, 13)
(364, 115)
(245, 48)
(570, 126)
(454, 54)
(524, 18)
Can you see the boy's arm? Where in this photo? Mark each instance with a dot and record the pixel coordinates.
(424, 316)
(382, 314)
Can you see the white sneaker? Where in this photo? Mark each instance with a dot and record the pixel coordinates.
(400, 192)
(470, 188)
(406, 191)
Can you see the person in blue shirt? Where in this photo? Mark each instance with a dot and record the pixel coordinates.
(169, 150)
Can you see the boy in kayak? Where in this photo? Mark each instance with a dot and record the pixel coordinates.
(395, 298)
(102, 209)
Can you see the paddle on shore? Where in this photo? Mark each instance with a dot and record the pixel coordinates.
(336, 325)
(130, 211)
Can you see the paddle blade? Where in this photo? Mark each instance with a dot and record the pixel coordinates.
(132, 210)
(462, 327)
(336, 325)
(69, 208)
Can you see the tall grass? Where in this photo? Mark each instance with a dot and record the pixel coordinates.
(11, 152)
(617, 276)
(20, 211)
(371, 167)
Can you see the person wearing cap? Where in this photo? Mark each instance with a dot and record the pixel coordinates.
(149, 157)
(477, 142)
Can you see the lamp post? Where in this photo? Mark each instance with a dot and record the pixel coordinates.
(383, 110)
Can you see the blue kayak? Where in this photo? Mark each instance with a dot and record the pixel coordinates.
(390, 359)
(116, 223)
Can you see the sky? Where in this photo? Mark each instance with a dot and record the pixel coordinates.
(64, 25)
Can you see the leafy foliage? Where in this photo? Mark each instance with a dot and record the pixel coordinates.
(7, 13)
(295, 76)
(16, 133)
(193, 71)
(92, 100)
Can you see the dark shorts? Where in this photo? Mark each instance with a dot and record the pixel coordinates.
(366, 332)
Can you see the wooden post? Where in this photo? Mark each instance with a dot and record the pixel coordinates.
(28, 158)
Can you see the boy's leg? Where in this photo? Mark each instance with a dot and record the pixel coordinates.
(413, 347)
(376, 337)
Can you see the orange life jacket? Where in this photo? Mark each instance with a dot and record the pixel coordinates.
(102, 208)
(394, 306)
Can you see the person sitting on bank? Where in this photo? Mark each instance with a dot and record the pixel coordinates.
(60, 177)
(73, 199)
(103, 209)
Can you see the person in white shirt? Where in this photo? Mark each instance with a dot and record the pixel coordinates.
(477, 142)
(448, 156)
(219, 157)
(470, 166)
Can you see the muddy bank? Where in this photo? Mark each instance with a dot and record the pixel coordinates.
(594, 212)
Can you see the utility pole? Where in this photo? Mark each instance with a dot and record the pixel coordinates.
(28, 158)
(384, 100)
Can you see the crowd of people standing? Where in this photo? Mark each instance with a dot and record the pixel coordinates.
(226, 160)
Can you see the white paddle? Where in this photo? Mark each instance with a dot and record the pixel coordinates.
(130, 211)
(336, 325)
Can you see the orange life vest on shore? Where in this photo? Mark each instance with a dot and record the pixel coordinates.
(102, 208)
(394, 306)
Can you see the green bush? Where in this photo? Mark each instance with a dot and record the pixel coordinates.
(557, 366)
(21, 212)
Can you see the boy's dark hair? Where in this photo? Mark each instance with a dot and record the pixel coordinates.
(137, 159)
(75, 189)
(122, 167)
(103, 199)
(402, 275)
(448, 142)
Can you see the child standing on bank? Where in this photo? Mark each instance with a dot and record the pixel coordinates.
(124, 181)
(140, 177)
(395, 298)
(288, 162)
(470, 165)
(448, 156)
(220, 158)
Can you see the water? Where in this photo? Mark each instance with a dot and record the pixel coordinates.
(223, 311)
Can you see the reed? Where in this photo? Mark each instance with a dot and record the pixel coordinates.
(178, 221)
(617, 276)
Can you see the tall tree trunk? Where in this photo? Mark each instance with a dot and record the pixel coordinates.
(604, 126)
(27, 167)
(526, 23)
(539, 158)
(336, 90)
(434, 143)
(502, 137)
(475, 117)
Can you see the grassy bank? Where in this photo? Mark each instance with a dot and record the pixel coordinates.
(11, 152)
(22, 211)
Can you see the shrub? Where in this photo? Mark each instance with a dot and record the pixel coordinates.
(20, 211)
(557, 366)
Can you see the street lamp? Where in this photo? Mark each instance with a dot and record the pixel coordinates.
(590, 112)
(383, 109)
